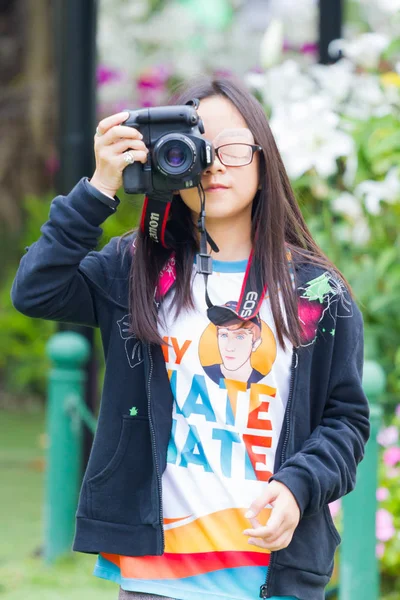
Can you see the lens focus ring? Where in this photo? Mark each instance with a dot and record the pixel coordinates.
(175, 155)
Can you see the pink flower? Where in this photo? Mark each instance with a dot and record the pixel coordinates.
(392, 473)
(222, 73)
(380, 550)
(153, 78)
(397, 412)
(334, 507)
(384, 525)
(388, 436)
(391, 456)
(309, 48)
(152, 85)
(382, 494)
(105, 75)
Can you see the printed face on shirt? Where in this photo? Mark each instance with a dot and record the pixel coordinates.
(236, 346)
(224, 124)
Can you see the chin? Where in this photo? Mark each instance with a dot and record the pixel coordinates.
(222, 213)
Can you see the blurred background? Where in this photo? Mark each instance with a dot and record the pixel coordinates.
(328, 75)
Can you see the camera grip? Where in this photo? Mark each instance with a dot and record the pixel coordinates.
(136, 178)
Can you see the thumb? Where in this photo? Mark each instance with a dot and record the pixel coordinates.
(268, 497)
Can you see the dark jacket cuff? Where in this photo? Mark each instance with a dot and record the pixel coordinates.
(298, 482)
(82, 199)
(107, 200)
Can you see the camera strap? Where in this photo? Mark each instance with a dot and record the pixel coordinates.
(153, 223)
(252, 293)
(250, 299)
(253, 290)
(154, 217)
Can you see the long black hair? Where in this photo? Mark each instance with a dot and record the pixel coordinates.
(275, 211)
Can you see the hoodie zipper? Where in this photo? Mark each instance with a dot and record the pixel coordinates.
(264, 586)
(153, 442)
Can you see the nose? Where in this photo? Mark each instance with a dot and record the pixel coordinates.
(216, 167)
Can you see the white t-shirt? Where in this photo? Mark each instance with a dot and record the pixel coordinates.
(231, 388)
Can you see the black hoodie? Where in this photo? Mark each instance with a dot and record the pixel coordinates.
(61, 277)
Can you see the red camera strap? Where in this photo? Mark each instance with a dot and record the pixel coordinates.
(251, 296)
(154, 217)
(153, 223)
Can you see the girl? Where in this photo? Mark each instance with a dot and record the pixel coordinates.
(202, 485)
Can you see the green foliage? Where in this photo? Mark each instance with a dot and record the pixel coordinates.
(371, 265)
(389, 473)
(23, 362)
(378, 145)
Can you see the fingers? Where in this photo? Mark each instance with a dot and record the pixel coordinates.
(282, 522)
(255, 523)
(127, 144)
(135, 147)
(111, 121)
(119, 132)
(111, 142)
(268, 497)
(137, 157)
(118, 140)
(115, 153)
(272, 530)
(281, 542)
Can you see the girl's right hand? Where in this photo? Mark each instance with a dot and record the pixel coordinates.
(109, 148)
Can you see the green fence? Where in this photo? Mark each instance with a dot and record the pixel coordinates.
(358, 565)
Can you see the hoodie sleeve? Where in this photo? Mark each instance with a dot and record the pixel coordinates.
(325, 467)
(59, 276)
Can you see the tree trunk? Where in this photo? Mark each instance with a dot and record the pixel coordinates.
(27, 109)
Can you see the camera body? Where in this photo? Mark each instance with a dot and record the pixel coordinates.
(178, 154)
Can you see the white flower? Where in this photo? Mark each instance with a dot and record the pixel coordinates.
(366, 98)
(375, 192)
(300, 19)
(308, 137)
(365, 50)
(361, 232)
(272, 44)
(348, 205)
(336, 80)
(286, 83)
(255, 81)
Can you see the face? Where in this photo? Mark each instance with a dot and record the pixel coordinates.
(236, 346)
(224, 124)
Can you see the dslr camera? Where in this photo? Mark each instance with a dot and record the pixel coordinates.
(177, 152)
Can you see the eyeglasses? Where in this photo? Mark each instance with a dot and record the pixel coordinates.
(236, 155)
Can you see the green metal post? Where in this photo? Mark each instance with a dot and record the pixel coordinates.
(68, 352)
(359, 570)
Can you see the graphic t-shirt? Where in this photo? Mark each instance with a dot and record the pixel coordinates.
(230, 387)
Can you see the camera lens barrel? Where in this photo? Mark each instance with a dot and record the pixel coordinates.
(175, 155)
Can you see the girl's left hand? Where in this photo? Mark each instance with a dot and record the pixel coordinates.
(283, 520)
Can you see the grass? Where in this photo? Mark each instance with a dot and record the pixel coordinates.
(23, 573)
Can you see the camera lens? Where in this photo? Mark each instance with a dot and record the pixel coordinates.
(175, 156)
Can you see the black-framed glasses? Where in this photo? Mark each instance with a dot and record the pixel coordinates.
(236, 155)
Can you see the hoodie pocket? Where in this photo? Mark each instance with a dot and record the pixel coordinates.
(313, 545)
(123, 492)
(331, 525)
